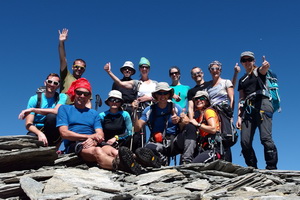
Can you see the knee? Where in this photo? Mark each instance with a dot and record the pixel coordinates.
(190, 131)
(245, 144)
(50, 118)
(98, 152)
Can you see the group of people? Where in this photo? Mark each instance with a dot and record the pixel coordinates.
(181, 120)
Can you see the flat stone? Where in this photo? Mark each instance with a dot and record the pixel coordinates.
(158, 176)
(198, 185)
(32, 188)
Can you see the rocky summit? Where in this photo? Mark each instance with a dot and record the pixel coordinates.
(30, 171)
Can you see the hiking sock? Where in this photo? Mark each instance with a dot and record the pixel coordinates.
(147, 158)
(126, 162)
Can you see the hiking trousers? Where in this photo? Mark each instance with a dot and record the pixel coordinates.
(184, 143)
(261, 119)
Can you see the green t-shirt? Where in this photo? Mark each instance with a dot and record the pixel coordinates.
(66, 80)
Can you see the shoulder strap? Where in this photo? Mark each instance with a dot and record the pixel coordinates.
(56, 97)
(39, 100)
(153, 116)
(137, 87)
(39, 92)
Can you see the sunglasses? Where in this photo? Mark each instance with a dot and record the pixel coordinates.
(50, 82)
(79, 93)
(174, 73)
(78, 67)
(127, 68)
(214, 68)
(197, 73)
(200, 98)
(243, 60)
(162, 93)
(144, 66)
(114, 100)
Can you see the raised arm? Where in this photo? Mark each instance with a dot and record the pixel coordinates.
(61, 48)
(240, 107)
(124, 84)
(265, 66)
(237, 69)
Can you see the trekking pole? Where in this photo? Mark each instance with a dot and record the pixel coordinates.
(98, 102)
(133, 123)
(131, 141)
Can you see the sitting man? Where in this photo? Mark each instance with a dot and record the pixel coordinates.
(41, 112)
(81, 129)
(164, 120)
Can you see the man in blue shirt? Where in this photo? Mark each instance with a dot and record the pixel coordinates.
(81, 129)
(165, 120)
(41, 119)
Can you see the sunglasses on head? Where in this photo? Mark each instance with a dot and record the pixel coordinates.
(50, 82)
(197, 73)
(200, 98)
(79, 93)
(114, 100)
(78, 67)
(162, 93)
(243, 60)
(174, 73)
(214, 68)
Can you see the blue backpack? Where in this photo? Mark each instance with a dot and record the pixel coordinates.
(271, 88)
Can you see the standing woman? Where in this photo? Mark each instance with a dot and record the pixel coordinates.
(219, 90)
(144, 85)
(255, 111)
(116, 123)
(221, 94)
(180, 91)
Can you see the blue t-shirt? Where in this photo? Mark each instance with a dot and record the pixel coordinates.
(161, 117)
(182, 91)
(82, 121)
(116, 124)
(45, 103)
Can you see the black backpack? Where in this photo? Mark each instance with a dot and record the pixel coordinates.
(228, 131)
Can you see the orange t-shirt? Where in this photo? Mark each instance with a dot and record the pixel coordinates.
(208, 113)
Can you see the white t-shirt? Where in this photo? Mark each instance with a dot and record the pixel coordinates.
(218, 93)
(146, 88)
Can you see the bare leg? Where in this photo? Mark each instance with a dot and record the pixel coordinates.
(109, 150)
(96, 154)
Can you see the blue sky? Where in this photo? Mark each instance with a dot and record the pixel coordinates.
(183, 33)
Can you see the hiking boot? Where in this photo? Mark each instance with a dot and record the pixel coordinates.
(271, 167)
(125, 162)
(147, 158)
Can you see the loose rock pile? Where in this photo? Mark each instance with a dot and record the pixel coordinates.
(48, 176)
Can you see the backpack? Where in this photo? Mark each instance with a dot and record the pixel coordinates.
(228, 131)
(39, 92)
(271, 88)
(153, 116)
